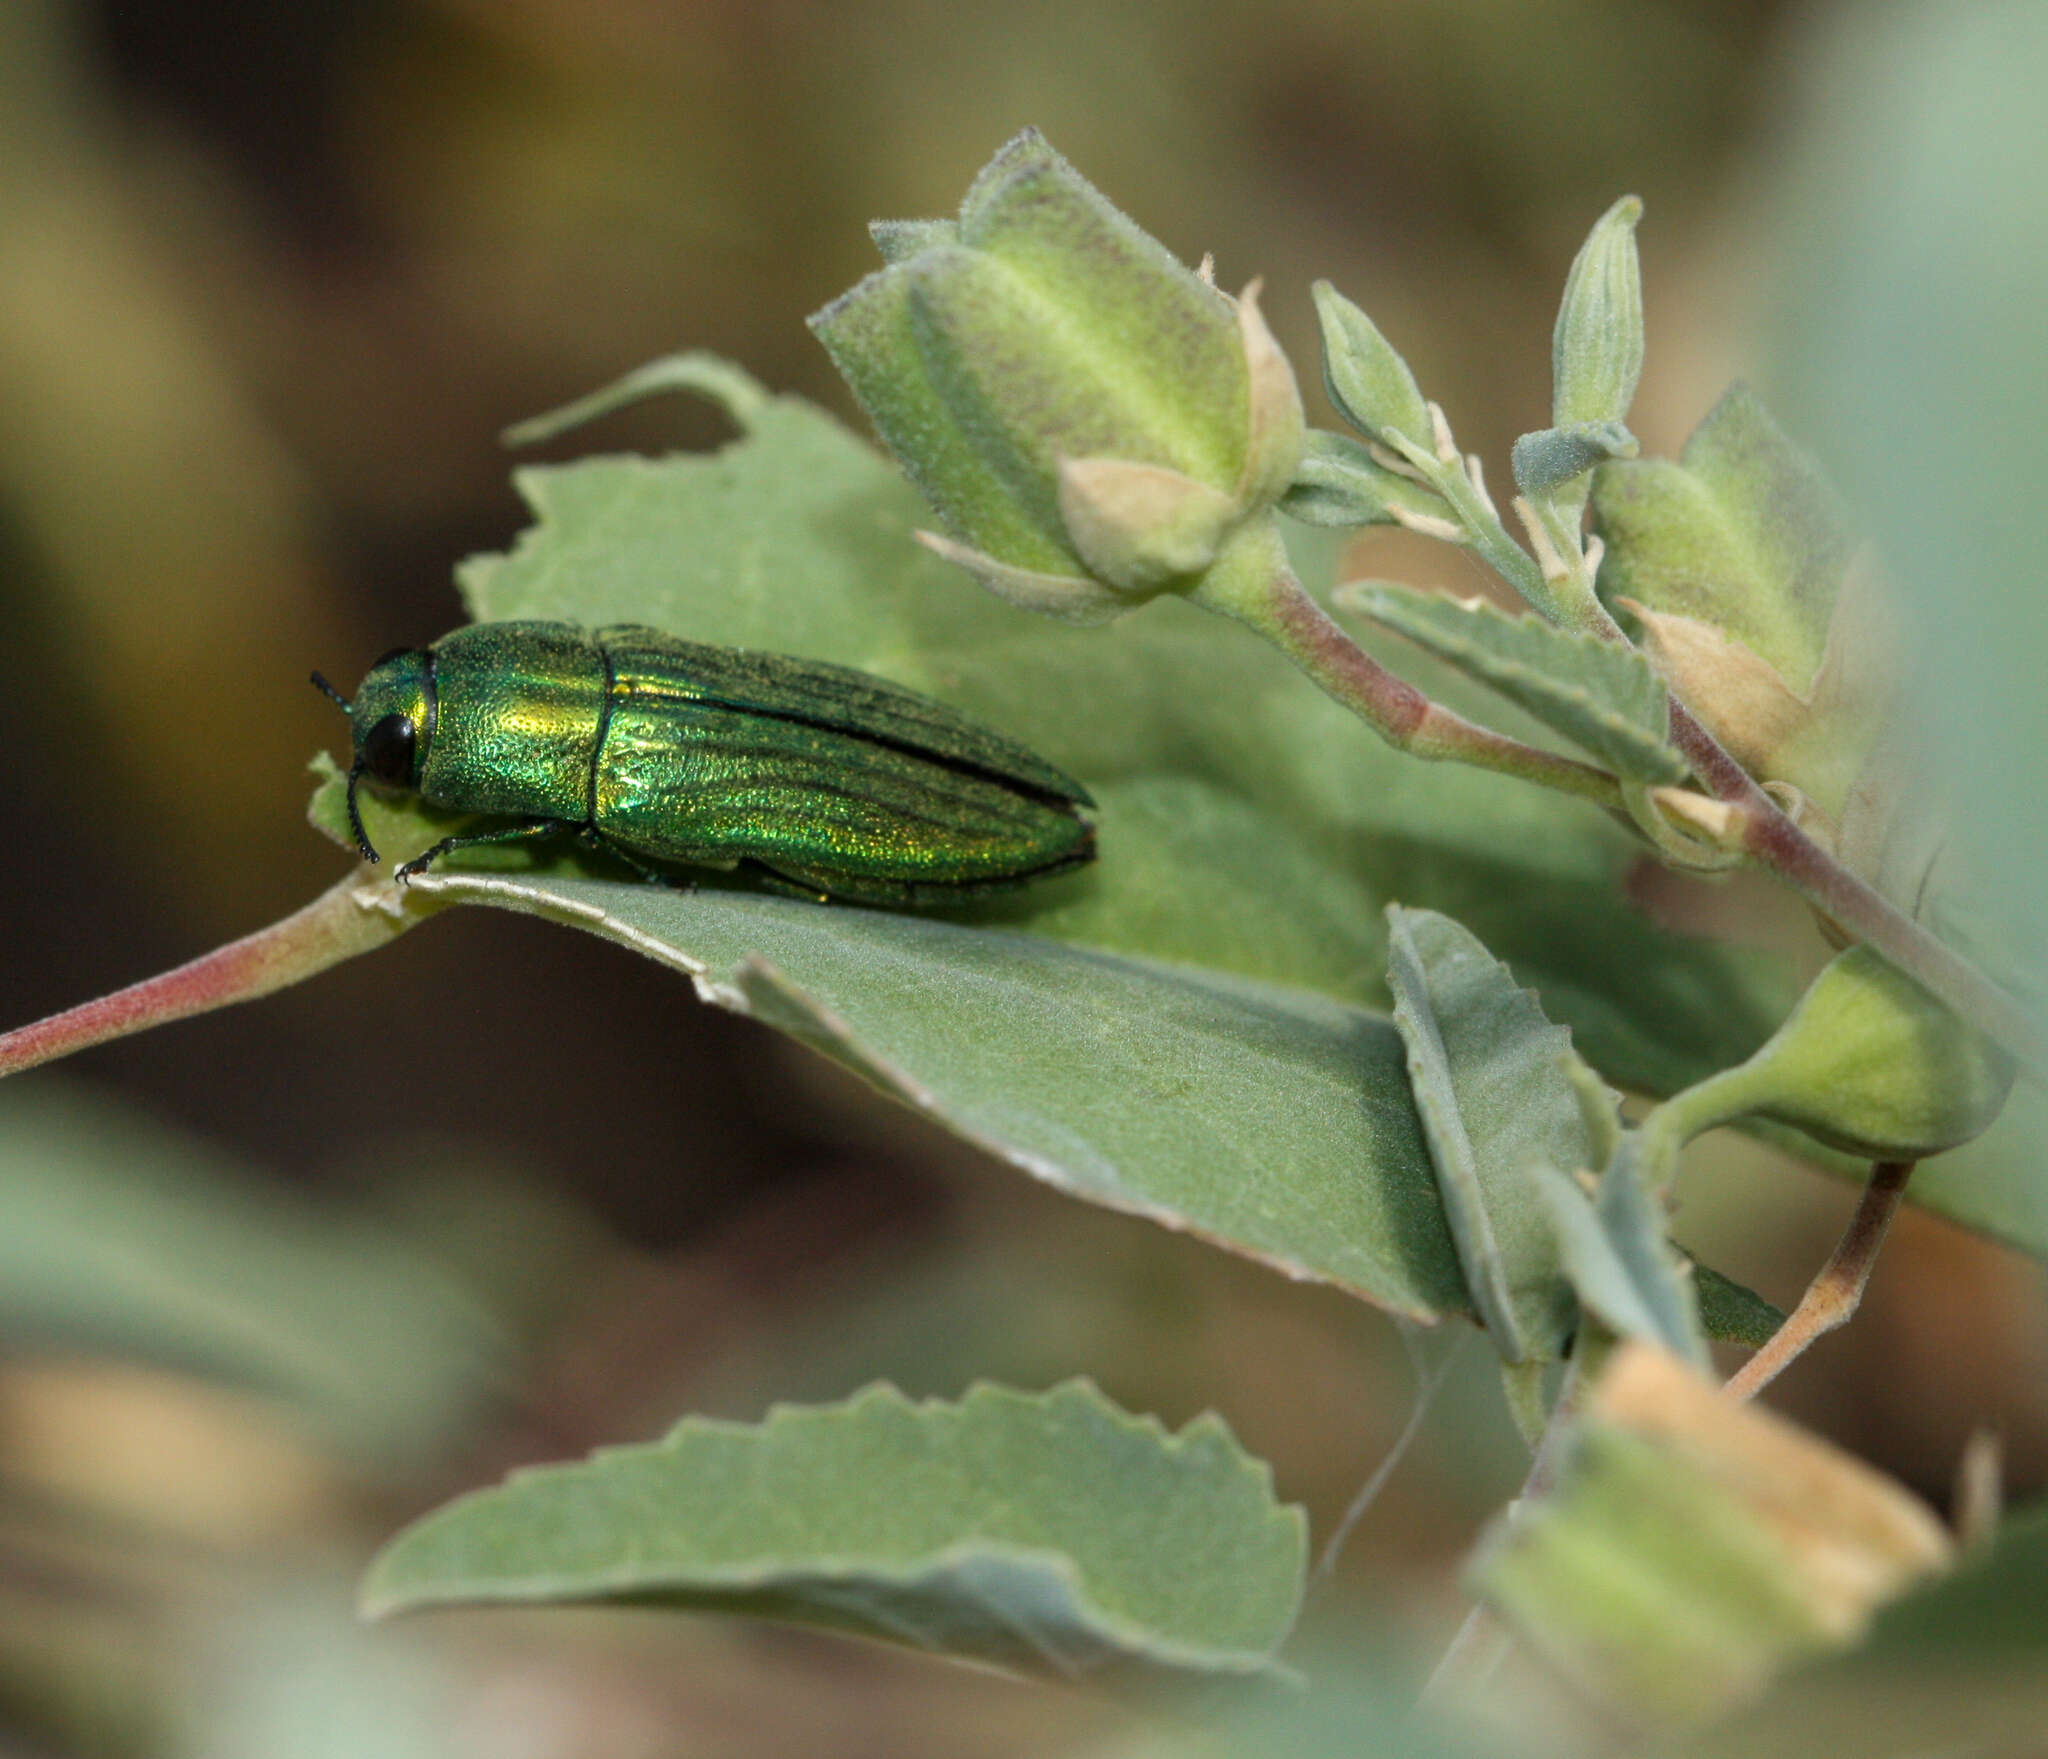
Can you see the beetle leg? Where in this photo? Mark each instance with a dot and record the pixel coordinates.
(533, 827)
(596, 839)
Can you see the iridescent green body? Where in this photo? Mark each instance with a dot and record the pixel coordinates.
(671, 752)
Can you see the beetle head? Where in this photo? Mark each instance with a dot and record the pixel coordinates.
(393, 716)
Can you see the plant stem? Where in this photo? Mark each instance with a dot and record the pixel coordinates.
(337, 925)
(1833, 1296)
(1261, 591)
(1564, 591)
(1780, 847)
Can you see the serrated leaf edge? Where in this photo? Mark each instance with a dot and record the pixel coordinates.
(1404, 612)
(1207, 1429)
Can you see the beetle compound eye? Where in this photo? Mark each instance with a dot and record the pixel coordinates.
(387, 749)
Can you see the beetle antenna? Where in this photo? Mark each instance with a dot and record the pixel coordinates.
(326, 689)
(355, 774)
(355, 818)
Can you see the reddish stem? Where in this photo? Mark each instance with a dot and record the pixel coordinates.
(1783, 848)
(1279, 607)
(1836, 1293)
(337, 925)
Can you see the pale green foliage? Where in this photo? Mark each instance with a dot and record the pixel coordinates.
(1497, 1105)
(1047, 1533)
(1277, 1148)
(1341, 484)
(1221, 776)
(1605, 699)
(1614, 1251)
(1367, 380)
(1293, 1138)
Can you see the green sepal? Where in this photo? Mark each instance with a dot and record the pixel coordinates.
(1149, 332)
(874, 335)
(1140, 527)
(1089, 417)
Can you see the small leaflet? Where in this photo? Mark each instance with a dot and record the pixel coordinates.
(1603, 697)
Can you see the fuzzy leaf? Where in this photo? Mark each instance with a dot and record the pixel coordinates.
(1615, 1253)
(1553, 456)
(1251, 834)
(1603, 697)
(1339, 483)
(1291, 1138)
(1047, 1533)
(1497, 1103)
(1366, 377)
(1248, 826)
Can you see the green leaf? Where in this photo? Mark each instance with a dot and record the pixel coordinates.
(1249, 826)
(1743, 533)
(1551, 457)
(1616, 1255)
(1293, 1136)
(1340, 483)
(1047, 1533)
(122, 1236)
(1272, 1121)
(1602, 696)
(1731, 1313)
(1491, 1083)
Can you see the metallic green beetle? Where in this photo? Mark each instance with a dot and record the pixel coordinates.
(664, 751)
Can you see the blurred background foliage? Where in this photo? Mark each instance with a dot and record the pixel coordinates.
(272, 279)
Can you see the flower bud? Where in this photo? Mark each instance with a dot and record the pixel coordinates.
(1868, 1062)
(1596, 352)
(1091, 420)
(1366, 377)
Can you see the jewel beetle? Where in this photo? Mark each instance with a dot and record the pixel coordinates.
(670, 753)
